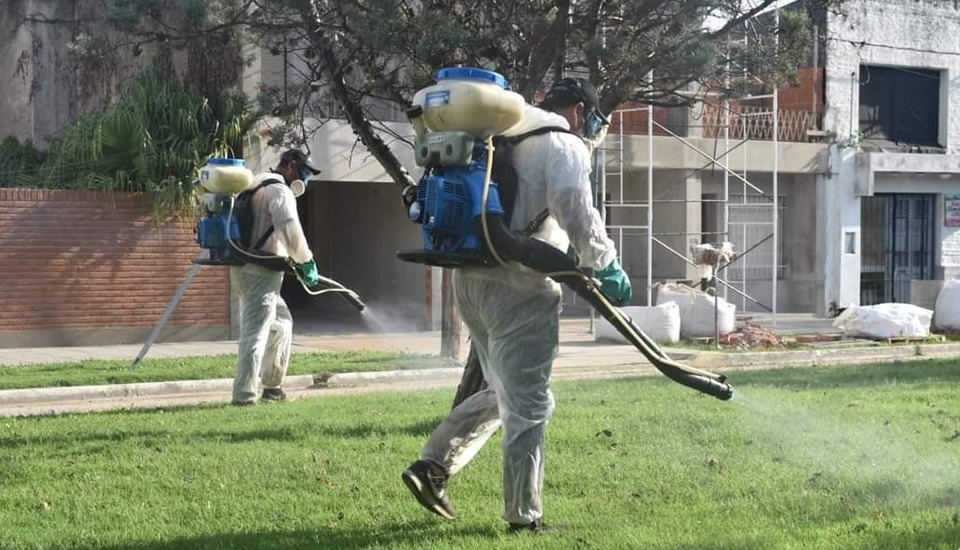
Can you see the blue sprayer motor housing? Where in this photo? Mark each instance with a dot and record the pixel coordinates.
(448, 202)
(212, 231)
(220, 181)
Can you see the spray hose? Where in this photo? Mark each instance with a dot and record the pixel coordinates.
(551, 262)
(287, 265)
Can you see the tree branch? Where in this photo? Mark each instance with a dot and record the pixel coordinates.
(351, 107)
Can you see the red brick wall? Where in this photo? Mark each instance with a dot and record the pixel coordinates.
(634, 117)
(88, 260)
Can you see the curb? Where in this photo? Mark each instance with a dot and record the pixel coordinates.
(823, 357)
(140, 389)
(351, 379)
(31, 396)
(704, 360)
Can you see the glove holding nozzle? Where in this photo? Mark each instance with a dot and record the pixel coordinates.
(308, 271)
(615, 283)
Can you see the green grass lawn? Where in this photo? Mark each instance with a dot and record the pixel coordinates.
(92, 372)
(860, 458)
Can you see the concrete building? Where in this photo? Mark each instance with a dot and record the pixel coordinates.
(887, 206)
(867, 166)
(868, 176)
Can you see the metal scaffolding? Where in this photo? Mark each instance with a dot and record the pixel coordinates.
(751, 196)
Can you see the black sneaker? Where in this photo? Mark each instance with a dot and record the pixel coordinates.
(428, 482)
(243, 403)
(536, 526)
(274, 394)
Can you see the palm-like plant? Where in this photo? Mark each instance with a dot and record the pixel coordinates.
(153, 139)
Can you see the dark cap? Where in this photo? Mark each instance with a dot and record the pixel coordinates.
(299, 158)
(570, 91)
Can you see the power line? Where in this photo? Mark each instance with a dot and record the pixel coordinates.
(862, 43)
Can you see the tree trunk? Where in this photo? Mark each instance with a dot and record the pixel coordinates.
(362, 127)
(450, 319)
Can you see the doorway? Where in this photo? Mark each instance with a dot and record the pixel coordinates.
(898, 245)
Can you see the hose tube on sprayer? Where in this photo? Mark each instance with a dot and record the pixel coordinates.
(546, 259)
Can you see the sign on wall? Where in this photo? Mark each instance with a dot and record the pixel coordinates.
(951, 211)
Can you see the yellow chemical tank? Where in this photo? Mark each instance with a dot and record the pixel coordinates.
(469, 100)
(225, 176)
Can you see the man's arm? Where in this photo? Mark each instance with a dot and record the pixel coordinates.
(286, 223)
(570, 200)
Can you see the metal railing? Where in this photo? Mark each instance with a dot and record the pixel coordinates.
(757, 123)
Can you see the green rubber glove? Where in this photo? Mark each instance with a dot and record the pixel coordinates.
(308, 270)
(615, 283)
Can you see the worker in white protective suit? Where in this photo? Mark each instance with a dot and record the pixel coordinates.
(513, 317)
(266, 326)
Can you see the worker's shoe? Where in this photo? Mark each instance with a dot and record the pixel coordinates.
(273, 394)
(243, 403)
(428, 482)
(535, 526)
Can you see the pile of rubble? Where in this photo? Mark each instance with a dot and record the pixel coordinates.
(749, 335)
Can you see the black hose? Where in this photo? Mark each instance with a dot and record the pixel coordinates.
(544, 258)
(532, 253)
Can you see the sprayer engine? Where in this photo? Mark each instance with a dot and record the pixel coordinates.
(449, 199)
(215, 227)
(221, 180)
(452, 120)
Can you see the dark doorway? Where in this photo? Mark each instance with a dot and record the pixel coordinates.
(898, 245)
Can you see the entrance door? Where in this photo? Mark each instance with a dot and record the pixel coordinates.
(898, 245)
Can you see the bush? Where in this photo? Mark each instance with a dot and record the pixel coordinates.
(19, 163)
(152, 139)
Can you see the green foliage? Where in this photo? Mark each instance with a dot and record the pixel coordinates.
(18, 162)
(152, 139)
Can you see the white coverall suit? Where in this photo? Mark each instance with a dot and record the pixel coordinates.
(513, 318)
(266, 326)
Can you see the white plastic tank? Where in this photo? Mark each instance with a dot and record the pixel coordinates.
(470, 100)
(225, 176)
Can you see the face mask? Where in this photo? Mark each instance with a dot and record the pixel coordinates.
(593, 125)
(299, 187)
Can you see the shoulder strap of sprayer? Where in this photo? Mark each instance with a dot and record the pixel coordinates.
(266, 234)
(508, 187)
(254, 254)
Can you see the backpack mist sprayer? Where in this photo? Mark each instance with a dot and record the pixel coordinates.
(224, 229)
(463, 220)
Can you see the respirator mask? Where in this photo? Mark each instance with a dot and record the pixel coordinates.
(299, 187)
(593, 124)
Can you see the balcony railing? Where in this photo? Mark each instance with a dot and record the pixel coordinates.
(757, 123)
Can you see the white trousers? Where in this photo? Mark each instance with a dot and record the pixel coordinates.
(266, 331)
(516, 334)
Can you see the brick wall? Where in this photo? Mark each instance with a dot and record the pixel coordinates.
(86, 260)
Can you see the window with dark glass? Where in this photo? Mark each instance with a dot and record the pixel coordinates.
(900, 105)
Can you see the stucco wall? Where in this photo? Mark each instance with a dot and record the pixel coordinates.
(46, 82)
(904, 29)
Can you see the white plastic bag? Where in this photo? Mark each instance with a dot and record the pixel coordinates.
(697, 310)
(682, 295)
(885, 321)
(703, 318)
(947, 311)
(660, 322)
